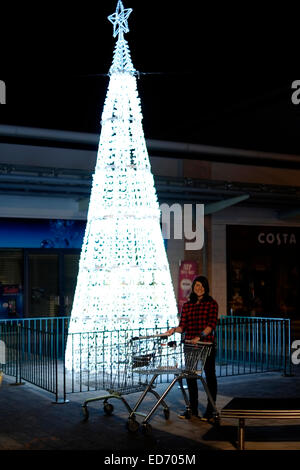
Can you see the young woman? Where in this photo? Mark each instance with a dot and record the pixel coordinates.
(198, 322)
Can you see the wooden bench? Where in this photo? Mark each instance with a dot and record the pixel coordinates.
(259, 408)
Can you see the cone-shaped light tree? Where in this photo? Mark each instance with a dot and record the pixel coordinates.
(124, 280)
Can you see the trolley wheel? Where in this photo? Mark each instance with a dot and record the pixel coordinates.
(85, 412)
(108, 408)
(166, 413)
(132, 425)
(188, 413)
(217, 421)
(146, 429)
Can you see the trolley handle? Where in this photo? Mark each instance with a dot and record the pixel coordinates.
(163, 336)
(158, 335)
(199, 343)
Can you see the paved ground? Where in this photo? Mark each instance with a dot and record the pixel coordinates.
(30, 420)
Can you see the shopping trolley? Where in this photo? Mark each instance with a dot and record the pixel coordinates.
(118, 379)
(183, 360)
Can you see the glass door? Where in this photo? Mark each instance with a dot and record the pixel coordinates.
(70, 272)
(50, 278)
(43, 298)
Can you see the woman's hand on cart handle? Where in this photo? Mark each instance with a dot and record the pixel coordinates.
(171, 331)
(194, 340)
(203, 334)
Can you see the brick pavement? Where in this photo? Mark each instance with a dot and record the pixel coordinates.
(30, 420)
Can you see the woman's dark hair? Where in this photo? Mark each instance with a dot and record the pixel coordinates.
(205, 284)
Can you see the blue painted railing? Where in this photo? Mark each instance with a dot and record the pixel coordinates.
(244, 344)
(253, 344)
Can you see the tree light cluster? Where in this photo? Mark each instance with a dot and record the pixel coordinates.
(124, 280)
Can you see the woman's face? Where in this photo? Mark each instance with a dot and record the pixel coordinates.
(199, 289)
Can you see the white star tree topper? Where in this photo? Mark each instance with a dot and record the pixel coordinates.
(119, 19)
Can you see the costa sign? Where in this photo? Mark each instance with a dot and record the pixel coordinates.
(278, 238)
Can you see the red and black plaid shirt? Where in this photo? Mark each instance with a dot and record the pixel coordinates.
(196, 317)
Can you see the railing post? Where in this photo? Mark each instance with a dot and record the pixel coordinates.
(60, 375)
(287, 349)
(19, 354)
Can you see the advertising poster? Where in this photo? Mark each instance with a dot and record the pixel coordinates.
(187, 272)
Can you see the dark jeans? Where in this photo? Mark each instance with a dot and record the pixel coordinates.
(211, 380)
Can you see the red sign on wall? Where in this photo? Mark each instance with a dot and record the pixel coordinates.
(187, 272)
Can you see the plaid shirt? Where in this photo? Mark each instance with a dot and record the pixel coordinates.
(196, 317)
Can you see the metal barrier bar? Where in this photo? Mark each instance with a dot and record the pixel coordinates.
(30, 355)
(39, 359)
(48, 324)
(255, 344)
(245, 345)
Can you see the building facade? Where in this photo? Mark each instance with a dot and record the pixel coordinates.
(251, 223)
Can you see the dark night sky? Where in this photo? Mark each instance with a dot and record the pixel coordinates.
(205, 79)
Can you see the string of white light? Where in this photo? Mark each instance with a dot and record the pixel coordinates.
(124, 279)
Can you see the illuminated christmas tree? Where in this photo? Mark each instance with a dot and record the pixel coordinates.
(124, 280)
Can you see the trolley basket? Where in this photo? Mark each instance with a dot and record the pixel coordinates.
(155, 356)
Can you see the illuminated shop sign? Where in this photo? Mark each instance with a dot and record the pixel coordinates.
(277, 238)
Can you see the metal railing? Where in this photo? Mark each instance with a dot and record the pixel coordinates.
(58, 326)
(253, 344)
(35, 350)
(30, 355)
(38, 358)
(97, 360)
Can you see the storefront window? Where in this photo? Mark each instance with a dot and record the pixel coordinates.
(38, 266)
(11, 283)
(263, 271)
